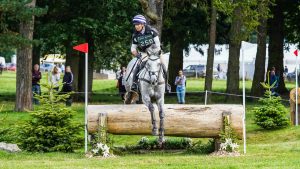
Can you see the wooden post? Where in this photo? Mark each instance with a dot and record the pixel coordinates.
(226, 118)
(102, 130)
(293, 106)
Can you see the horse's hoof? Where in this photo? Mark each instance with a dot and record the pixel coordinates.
(154, 132)
(161, 143)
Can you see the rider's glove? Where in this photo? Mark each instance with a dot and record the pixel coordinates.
(139, 55)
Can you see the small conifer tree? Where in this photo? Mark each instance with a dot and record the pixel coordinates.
(50, 128)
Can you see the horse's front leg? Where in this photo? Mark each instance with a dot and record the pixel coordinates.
(147, 102)
(160, 105)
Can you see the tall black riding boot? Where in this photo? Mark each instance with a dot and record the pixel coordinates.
(134, 86)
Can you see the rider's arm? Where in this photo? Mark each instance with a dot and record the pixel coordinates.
(134, 49)
(156, 43)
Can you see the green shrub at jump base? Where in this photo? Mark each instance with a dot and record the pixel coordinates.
(50, 128)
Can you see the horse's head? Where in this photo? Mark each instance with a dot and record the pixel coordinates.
(153, 68)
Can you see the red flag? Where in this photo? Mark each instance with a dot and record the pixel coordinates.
(296, 52)
(82, 47)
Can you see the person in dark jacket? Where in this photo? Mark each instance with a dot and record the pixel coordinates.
(36, 77)
(121, 82)
(67, 84)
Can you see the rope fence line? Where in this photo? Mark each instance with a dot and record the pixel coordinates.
(206, 92)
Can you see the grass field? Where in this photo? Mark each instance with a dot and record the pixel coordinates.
(265, 149)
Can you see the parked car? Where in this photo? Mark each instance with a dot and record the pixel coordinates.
(291, 77)
(2, 66)
(194, 70)
(11, 66)
(46, 67)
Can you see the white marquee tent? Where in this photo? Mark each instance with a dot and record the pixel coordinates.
(222, 52)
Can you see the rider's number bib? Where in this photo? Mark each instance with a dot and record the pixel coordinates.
(145, 40)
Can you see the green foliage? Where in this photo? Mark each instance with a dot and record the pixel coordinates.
(50, 128)
(6, 134)
(202, 148)
(170, 143)
(228, 132)
(271, 114)
(250, 13)
(187, 20)
(13, 12)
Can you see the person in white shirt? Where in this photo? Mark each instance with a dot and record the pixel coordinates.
(54, 78)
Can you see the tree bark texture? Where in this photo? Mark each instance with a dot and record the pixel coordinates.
(276, 34)
(232, 85)
(36, 53)
(260, 61)
(175, 60)
(72, 59)
(24, 66)
(180, 120)
(153, 9)
(211, 51)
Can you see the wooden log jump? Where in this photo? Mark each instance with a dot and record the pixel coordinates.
(293, 105)
(196, 121)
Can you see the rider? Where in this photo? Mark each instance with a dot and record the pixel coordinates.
(143, 38)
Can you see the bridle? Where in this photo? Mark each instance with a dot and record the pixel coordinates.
(153, 73)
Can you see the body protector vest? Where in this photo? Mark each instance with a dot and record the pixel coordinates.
(144, 40)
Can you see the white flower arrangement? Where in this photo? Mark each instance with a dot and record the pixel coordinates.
(189, 141)
(101, 149)
(143, 140)
(229, 146)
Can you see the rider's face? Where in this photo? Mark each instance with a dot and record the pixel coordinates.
(139, 27)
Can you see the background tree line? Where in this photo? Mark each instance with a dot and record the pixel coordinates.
(37, 28)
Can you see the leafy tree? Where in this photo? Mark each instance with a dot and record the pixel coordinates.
(106, 26)
(245, 18)
(185, 23)
(260, 61)
(19, 14)
(276, 42)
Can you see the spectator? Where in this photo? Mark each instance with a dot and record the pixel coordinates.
(54, 78)
(219, 68)
(274, 80)
(1, 68)
(62, 68)
(286, 70)
(36, 77)
(67, 86)
(121, 82)
(180, 89)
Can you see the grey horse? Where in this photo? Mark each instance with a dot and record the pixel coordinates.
(151, 85)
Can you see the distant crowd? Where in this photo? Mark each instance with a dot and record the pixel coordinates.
(54, 80)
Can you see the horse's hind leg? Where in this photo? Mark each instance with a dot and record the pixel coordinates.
(147, 102)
